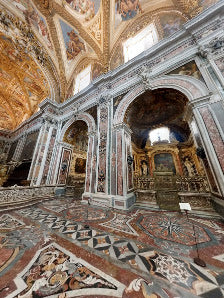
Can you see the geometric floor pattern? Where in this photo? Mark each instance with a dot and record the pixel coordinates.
(174, 228)
(121, 222)
(156, 250)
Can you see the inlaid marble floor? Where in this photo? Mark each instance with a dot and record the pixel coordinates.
(61, 248)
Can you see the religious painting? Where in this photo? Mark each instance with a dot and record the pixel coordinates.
(126, 10)
(86, 9)
(80, 165)
(34, 18)
(73, 43)
(171, 23)
(40, 24)
(189, 69)
(164, 162)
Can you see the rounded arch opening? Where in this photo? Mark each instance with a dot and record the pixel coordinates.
(77, 136)
(173, 155)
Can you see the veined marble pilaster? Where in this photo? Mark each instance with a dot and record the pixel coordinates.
(37, 163)
(214, 134)
(212, 142)
(49, 156)
(91, 166)
(103, 112)
(124, 170)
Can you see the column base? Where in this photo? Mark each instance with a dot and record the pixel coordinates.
(109, 201)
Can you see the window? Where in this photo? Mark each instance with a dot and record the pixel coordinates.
(140, 42)
(159, 134)
(83, 79)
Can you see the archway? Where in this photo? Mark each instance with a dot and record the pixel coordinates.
(77, 136)
(77, 143)
(171, 156)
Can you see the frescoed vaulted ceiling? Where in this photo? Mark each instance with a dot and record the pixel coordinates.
(46, 43)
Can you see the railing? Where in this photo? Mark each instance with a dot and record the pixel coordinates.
(192, 184)
(183, 184)
(144, 183)
(20, 194)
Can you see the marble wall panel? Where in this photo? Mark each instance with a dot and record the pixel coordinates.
(214, 135)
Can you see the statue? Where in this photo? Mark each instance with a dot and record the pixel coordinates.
(189, 168)
(144, 168)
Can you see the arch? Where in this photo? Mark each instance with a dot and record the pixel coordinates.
(87, 118)
(189, 86)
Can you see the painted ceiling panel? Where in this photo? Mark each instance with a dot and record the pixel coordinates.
(59, 38)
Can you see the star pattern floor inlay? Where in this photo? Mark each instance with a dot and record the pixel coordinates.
(62, 247)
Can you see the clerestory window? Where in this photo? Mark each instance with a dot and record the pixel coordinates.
(140, 42)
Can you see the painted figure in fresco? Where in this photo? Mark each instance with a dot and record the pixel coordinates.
(80, 166)
(184, 71)
(190, 70)
(85, 7)
(189, 167)
(171, 26)
(195, 72)
(129, 8)
(74, 46)
(40, 25)
(19, 5)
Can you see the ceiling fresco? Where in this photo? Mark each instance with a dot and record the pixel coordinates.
(34, 18)
(64, 36)
(189, 69)
(84, 10)
(73, 47)
(73, 43)
(22, 84)
(164, 107)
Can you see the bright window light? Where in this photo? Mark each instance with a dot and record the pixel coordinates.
(159, 134)
(83, 79)
(140, 42)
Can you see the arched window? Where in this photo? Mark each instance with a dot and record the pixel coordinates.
(83, 79)
(140, 42)
(159, 135)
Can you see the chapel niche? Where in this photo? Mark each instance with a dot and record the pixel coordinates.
(77, 135)
(161, 137)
